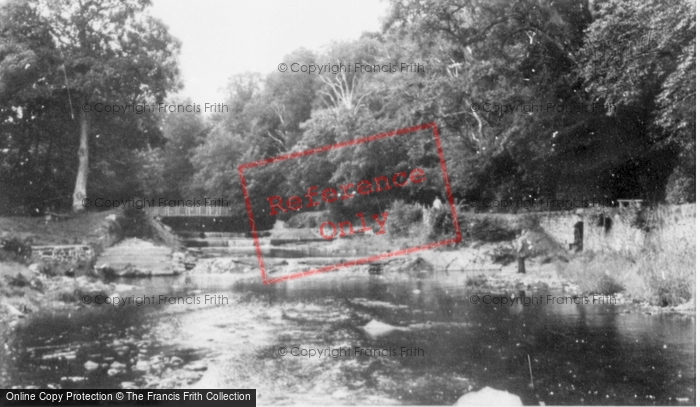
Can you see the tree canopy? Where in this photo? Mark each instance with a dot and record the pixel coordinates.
(574, 99)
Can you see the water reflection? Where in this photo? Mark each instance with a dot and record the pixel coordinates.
(589, 354)
(578, 354)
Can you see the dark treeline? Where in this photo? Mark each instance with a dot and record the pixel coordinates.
(570, 99)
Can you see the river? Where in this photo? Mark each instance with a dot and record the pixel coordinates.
(557, 354)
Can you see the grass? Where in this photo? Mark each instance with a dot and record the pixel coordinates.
(663, 274)
(75, 230)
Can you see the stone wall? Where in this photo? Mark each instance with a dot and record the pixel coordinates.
(622, 229)
(80, 259)
(76, 256)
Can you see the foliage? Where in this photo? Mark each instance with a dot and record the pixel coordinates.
(133, 223)
(14, 249)
(403, 218)
(491, 229)
(440, 223)
(55, 59)
(503, 254)
(640, 57)
(625, 65)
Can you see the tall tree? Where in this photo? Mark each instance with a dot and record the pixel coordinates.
(640, 55)
(109, 52)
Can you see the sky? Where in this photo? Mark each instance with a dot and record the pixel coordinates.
(221, 38)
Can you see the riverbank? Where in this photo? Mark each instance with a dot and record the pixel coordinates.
(30, 283)
(662, 279)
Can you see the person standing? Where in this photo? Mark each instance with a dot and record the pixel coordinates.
(522, 250)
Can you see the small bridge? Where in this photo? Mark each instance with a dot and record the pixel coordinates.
(189, 211)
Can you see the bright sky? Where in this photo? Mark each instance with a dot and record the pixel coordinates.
(221, 38)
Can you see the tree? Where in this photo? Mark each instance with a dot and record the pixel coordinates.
(484, 55)
(109, 52)
(640, 56)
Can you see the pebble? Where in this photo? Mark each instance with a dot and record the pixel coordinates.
(176, 361)
(118, 366)
(90, 366)
(196, 366)
(73, 379)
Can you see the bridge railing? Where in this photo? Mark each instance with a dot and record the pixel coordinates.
(184, 211)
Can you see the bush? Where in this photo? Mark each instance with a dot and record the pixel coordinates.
(403, 216)
(669, 272)
(308, 219)
(492, 229)
(134, 223)
(661, 275)
(592, 272)
(14, 249)
(503, 254)
(476, 281)
(608, 286)
(440, 222)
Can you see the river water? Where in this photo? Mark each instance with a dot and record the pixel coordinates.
(551, 353)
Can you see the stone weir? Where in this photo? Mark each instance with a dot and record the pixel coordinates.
(280, 242)
(222, 244)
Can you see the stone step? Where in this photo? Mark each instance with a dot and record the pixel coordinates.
(138, 254)
(122, 249)
(132, 261)
(213, 235)
(235, 249)
(223, 243)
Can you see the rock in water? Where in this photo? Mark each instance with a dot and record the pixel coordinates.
(90, 366)
(14, 311)
(489, 397)
(376, 328)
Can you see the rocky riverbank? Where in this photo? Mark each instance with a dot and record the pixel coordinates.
(31, 281)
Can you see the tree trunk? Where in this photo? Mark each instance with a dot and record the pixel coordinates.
(521, 264)
(80, 192)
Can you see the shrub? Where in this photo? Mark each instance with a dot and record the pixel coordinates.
(14, 249)
(403, 217)
(492, 229)
(440, 222)
(592, 272)
(608, 286)
(669, 272)
(476, 281)
(308, 219)
(134, 223)
(503, 254)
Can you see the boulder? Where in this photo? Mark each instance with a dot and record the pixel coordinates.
(134, 272)
(489, 397)
(38, 268)
(17, 281)
(376, 328)
(198, 366)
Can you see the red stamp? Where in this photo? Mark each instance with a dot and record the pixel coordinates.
(361, 190)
